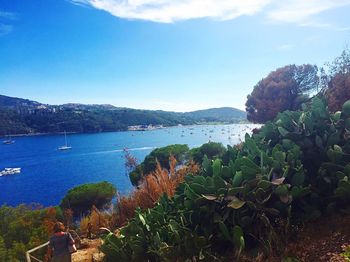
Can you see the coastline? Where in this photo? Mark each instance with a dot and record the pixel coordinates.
(39, 134)
(124, 130)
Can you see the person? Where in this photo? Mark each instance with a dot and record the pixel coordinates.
(89, 229)
(59, 244)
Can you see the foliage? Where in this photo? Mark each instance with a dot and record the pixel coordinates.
(97, 219)
(160, 155)
(81, 198)
(151, 188)
(341, 64)
(27, 226)
(338, 90)
(211, 150)
(22, 228)
(283, 89)
(293, 170)
(130, 161)
(346, 253)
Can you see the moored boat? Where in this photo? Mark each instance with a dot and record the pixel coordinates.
(8, 141)
(10, 171)
(65, 147)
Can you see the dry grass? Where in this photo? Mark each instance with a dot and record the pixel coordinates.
(151, 189)
(50, 220)
(97, 220)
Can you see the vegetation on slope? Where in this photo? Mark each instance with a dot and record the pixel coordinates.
(20, 116)
(27, 226)
(293, 170)
(160, 155)
(182, 154)
(24, 227)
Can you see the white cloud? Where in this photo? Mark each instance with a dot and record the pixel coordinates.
(167, 11)
(300, 12)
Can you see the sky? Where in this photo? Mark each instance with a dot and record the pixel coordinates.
(175, 55)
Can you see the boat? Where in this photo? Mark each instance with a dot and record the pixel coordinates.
(10, 171)
(65, 147)
(8, 141)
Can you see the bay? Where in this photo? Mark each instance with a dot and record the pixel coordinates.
(47, 173)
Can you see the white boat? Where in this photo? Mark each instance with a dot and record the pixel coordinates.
(10, 171)
(8, 141)
(65, 147)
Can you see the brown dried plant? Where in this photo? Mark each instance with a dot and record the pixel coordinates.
(68, 217)
(97, 219)
(152, 187)
(130, 161)
(50, 220)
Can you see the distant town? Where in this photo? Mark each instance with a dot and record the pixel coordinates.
(144, 127)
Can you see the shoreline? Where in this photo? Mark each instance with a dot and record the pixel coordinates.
(126, 130)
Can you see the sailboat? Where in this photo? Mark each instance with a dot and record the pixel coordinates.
(8, 141)
(65, 147)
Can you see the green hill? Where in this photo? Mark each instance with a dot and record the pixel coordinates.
(22, 116)
(222, 114)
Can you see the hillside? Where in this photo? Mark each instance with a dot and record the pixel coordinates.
(222, 114)
(22, 116)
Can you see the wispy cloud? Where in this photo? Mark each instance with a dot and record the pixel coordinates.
(300, 12)
(7, 15)
(285, 47)
(167, 11)
(5, 29)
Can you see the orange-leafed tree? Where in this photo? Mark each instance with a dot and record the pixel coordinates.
(284, 89)
(338, 91)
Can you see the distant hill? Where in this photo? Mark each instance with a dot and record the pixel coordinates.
(23, 116)
(17, 103)
(222, 114)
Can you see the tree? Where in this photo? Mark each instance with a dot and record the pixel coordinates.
(341, 64)
(211, 149)
(3, 251)
(338, 90)
(130, 163)
(161, 155)
(22, 228)
(83, 197)
(284, 89)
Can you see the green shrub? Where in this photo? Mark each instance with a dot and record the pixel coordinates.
(83, 197)
(211, 150)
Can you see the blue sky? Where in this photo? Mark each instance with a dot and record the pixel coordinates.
(177, 55)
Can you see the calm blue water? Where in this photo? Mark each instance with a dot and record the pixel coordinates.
(47, 174)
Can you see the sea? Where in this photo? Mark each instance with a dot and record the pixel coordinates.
(48, 173)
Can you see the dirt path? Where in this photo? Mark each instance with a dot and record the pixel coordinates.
(89, 253)
(322, 240)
